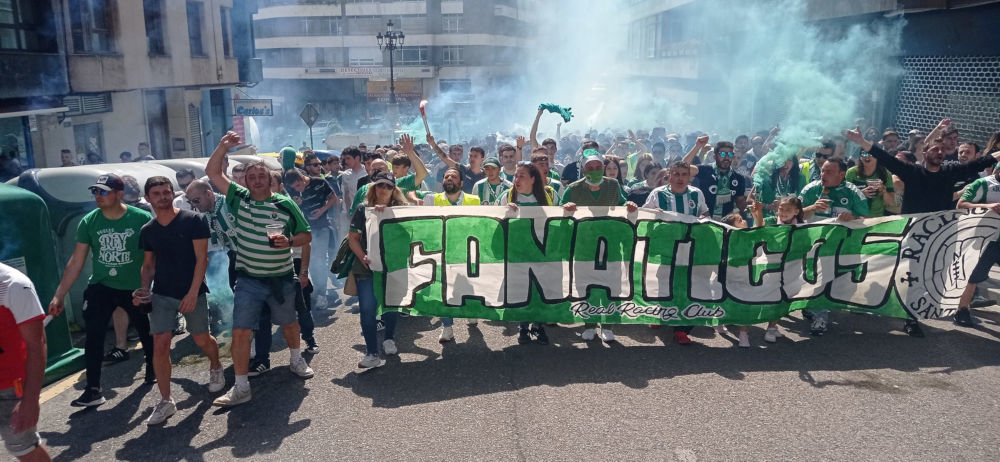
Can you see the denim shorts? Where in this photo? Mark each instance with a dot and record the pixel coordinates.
(253, 295)
(17, 444)
(163, 318)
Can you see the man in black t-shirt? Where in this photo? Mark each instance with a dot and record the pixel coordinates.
(724, 189)
(470, 173)
(315, 197)
(175, 245)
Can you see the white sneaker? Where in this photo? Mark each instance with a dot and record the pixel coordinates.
(607, 335)
(473, 322)
(588, 334)
(744, 340)
(370, 361)
(447, 335)
(301, 368)
(720, 329)
(233, 397)
(771, 334)
(161, 412)
(389, 347)
(253, 349)
(216, 381)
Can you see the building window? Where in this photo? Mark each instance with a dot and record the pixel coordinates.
(281, 57)
(451, 55)
(364, 56)
(89, 141)
(91, 26)
(15, 147)
(194, 19)
(155, 26)
(227, 40)
(459, 86)
(24, 26)
(412, 56)
(451, 23)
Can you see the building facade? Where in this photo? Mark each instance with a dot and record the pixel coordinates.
(326, 53)
(99, 77)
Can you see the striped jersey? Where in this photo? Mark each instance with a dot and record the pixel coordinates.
(690, 202)
(254, 255)
(490, 194)
(985, 190)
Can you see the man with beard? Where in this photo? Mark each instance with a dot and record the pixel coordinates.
(595, 190)
(112, 231)
(175, 262)
(724, 189)
(929, 187)
(452, 195)
(263, 262)
(203, 199)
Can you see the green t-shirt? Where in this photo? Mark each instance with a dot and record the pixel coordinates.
(117, 258)
(843, 198)
(254, 255)
(770, 191)
(554, 175)
(876, 204)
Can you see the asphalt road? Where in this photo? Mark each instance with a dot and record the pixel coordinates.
(863, 391)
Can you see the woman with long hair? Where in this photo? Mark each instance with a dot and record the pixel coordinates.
(382, 194)
(614, 169)
(640, 165)
(874, 181)
(529, 190)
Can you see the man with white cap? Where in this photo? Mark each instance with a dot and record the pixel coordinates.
(595, 190)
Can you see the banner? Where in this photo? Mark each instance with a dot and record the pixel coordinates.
(603, 264)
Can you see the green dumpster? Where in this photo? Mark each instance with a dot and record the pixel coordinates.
(28, 245)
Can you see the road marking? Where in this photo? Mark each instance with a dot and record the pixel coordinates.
(57, 388)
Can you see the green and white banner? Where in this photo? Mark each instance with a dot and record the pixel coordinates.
(603, 264)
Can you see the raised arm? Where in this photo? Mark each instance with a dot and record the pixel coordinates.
(419, 169)
(894, 165)
(440, 152)
(521, 143)
(639, 145)
(534, 129)
(700, 143)
(214, 167)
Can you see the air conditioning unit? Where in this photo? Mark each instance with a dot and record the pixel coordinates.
(251, 70)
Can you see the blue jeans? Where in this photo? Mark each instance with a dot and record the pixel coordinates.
(447, 322)
(262, 335)
(319, 262)
(369, 310)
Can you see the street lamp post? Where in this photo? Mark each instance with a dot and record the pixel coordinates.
(390, 40)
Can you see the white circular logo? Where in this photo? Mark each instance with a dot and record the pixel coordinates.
(691, 203)
(713, 189)
(937, 255)
(113, 272)
(843, 201)
(736, 183)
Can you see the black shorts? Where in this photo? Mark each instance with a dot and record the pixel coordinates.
(990, 257)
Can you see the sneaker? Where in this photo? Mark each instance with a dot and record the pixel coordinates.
(389, 347)
(818, 327)
(90, 397)
(116, 355)
(744, 339)
(161, 412)
(978, 301)
(370, 361)
(540, 335)
(473, 322)
(379, 325)
(806, 314)
(682, 338)
(721, 330)
(258, 368)
(607, 335)
(588, 334)
(913, 329)
(216, 381)
(771, 335)
(963, 317)
(311, 347)
(301, 368)
(524, 336)
(234, 396)
(447, 335)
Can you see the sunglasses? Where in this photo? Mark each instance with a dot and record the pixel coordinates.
(99, 192)
(821, 156)
(383, 186)
(313, 164)
(726, 154)
(865, 154)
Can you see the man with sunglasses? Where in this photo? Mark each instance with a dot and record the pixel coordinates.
(316, 198)
(723, 188)
(820, 156)
(112, 231)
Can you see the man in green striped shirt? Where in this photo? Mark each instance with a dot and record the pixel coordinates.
(267, 226)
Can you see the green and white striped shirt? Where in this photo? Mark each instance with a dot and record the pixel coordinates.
(490, 194)
(254, 255)
(690, 202)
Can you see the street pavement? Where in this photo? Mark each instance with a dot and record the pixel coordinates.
(864, 391)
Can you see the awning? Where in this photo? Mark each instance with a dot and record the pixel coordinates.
(35, 111)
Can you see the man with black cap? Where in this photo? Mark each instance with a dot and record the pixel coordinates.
(112, 230)
(594, 189)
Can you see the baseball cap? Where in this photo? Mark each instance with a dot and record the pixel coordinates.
(383, 178)
(491, 162)
(109, 182)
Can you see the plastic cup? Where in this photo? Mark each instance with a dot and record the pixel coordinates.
(273, 231)
(875, 184)
(143, 296)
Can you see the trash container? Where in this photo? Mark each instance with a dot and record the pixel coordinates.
(27, 245)
(64, 190)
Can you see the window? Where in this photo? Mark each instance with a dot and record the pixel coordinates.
(227, 45)
(451, 55)
(155, 27)
(460, 86)
(451, 23)
(364, 56)
(24, 26)
(281, 57)
(412, 56)
(194, 18)
(91, 26)
(89, 140)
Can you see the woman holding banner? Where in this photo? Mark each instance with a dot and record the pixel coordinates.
(529, 189)
(382, 194)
